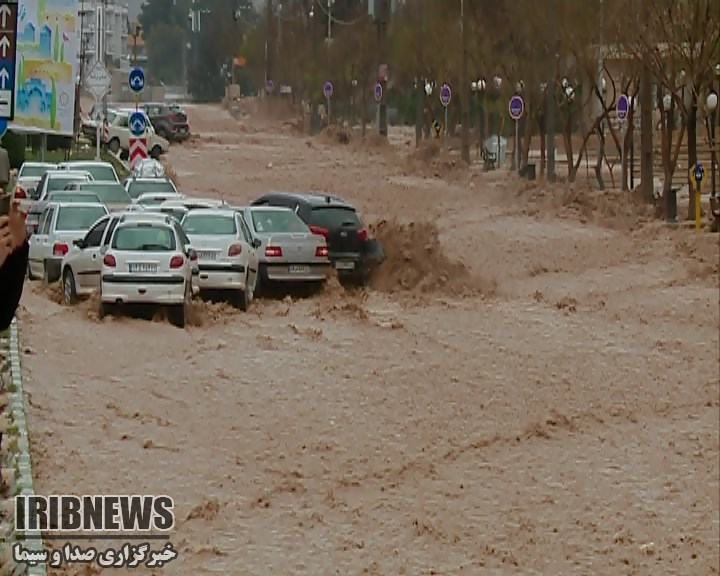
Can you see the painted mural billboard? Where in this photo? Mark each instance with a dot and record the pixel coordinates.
(46, 66)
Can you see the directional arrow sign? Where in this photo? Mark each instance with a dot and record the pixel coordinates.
(4, 77)
(5, 13)
(136, 123)
(136, 80)
(4, 46)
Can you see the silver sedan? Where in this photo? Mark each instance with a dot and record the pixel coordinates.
(288, 251)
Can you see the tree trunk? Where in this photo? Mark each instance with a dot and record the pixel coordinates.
(543, 141)
(692, 153)
(600, 155)
(569, 154)
(363, 103)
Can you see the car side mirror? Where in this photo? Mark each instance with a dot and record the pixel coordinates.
(256, 243)
(80, 243)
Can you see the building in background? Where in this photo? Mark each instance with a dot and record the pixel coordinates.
(116, 31)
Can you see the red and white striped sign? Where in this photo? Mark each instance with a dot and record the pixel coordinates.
(106, 131)
(138, 150)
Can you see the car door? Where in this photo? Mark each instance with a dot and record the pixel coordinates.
(253, 256)
(87, 264)
(39, 247)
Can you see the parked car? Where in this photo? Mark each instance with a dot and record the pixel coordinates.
(60, 225)
(27, 180)
(288, 251)
(119, 136)
(82, 264)
(73, 196)
(112, 194)
(169, 120)
(177, 212)
(227, 252)
(146, 263)
(52, 181)
(352, 253)
(135, 187)
(89, 123)
(192, 203)
(156, 198)
(100, 171)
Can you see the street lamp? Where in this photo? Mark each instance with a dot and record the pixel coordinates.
(478, 87)
(497, 81)
(712, 105)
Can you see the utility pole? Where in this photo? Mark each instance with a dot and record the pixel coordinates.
(420, 88)
(464, 90)
(268, 40)
(382, 22)
(103, 49)
(550, 97)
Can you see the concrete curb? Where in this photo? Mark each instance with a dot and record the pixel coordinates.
(23, 467)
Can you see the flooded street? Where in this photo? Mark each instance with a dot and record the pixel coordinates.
(529, 386)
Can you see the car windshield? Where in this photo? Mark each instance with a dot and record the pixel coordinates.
(100, 172)
(144, 238)
(73, 197)
(78, 217)
(333, 217)
(108, 193)
(33, 171)
(210, 225)
(59, 183)
(138, 188)
(270, 221)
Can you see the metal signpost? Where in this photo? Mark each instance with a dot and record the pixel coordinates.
(516, 107)
(699, 172)
(98, 82)
(445, 98)
(8, 54)
(136, 121)
(328, 92)
(378, 92)
(622, 108)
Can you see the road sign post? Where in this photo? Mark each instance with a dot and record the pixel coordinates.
(445, 99)
(699, 172)
(516, 107)
(136, 124)
(328, 92)
(622, 108)
(8, 56)
(137, 151)
(98, 82)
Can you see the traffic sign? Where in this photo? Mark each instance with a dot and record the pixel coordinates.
(138, 151)
(8, 55)
(699, 172)
(136, 79)
(622, 107)
(378, 92)
(445, 95)
(328, 90)
(98, 80)
(516, 107)
(136, 123)
(269, 86)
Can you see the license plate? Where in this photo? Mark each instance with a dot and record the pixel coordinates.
(345, 265)
(207, 255)
(299, 269)
(143, 268)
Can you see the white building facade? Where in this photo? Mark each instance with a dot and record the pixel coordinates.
(115, 31)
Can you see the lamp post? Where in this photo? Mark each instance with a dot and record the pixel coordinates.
(497, 82)
(712, 105)
(478, 87)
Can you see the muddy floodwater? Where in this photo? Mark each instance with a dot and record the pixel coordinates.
(528, 386)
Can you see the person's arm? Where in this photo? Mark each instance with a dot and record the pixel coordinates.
(12, 278)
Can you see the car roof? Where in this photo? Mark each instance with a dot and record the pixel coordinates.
(62, 204)
(66, 173)
(311, 198)
(224, 211)
(271, 208)
(37, 164)
(144, 217)
(85, 163)
(149, 179)
(175, 195)
(73, 192)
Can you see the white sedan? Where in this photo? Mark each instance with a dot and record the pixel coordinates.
(227, 253)
(147, 263)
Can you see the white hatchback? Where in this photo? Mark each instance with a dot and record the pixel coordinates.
(147, 263)
(227, 253)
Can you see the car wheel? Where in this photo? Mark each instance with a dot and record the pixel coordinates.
(104, 309)
(114, 145)
(242, 298)
(30, 274)
(180, 313)
(260, 281)
(69, 291)
(155, 152)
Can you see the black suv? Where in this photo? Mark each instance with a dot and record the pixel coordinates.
(169, 121)
(350, 250)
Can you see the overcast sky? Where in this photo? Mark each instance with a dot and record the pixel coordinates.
(134, 7)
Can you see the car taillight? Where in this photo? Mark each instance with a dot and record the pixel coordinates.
(20, 193)
(319, 230)
(109, 261)
(273, 251)
(176, 262)
(362, 234)
(193, 256)
(60, 249)
(235, 250)
(321, 252)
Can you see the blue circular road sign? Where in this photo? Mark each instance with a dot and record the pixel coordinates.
(378, 92)
(136, 123)
(516, 107)
(3, 126)
(699, 171)
(328, 89)
(445, 95)
(623, 107)
(136, 79)
(269, 86)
